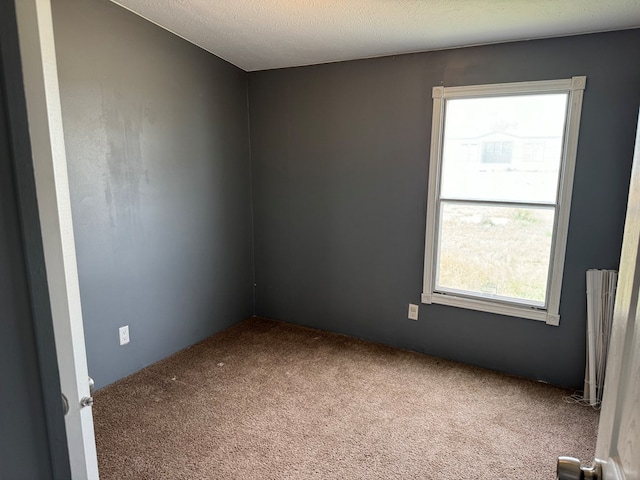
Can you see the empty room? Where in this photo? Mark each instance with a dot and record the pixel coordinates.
(296, 240)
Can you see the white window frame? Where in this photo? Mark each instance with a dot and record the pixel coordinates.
(550, 314)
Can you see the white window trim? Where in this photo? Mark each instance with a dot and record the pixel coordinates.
(574, 87)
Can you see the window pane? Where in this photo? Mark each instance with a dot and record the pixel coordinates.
(503, 148)
(495, 251)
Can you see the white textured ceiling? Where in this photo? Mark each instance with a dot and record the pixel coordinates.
(265, 34)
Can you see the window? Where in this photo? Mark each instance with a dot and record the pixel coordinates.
(498, 215)
(497, 152)
(533, 151)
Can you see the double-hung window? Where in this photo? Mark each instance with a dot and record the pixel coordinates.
(500, 181)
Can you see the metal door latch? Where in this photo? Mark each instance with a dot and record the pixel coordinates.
(88, 401)
(85, 401)
(569, 468)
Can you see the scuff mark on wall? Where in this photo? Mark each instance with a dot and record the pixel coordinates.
(122, 114)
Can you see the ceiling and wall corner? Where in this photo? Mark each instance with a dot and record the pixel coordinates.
(276, 33)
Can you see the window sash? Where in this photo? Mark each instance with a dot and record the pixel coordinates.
(494, 298)
(479, 295)
(498, 203)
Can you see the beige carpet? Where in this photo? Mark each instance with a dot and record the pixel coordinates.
(269, 400)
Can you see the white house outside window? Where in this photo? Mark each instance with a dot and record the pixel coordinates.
(500, 181)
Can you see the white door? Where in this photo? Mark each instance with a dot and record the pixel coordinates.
(618, 446)
(37, 52)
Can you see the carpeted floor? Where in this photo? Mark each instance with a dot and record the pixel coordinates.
(269, 400)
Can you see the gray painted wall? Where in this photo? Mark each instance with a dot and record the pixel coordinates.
(340, 155)
(156, 132)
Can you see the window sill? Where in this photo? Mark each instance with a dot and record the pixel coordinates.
(492, 307)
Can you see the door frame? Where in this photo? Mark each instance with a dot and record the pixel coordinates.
(48, 235)
(12, 89)
(625, 328)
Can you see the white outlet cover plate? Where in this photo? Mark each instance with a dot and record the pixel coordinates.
(124, 334)
(413, 311)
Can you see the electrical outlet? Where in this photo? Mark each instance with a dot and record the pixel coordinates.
(124, 335)
(413, 312)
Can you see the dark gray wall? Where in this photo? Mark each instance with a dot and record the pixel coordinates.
(24, 448)
(32, 439)
(157, 142)
(340, 155)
